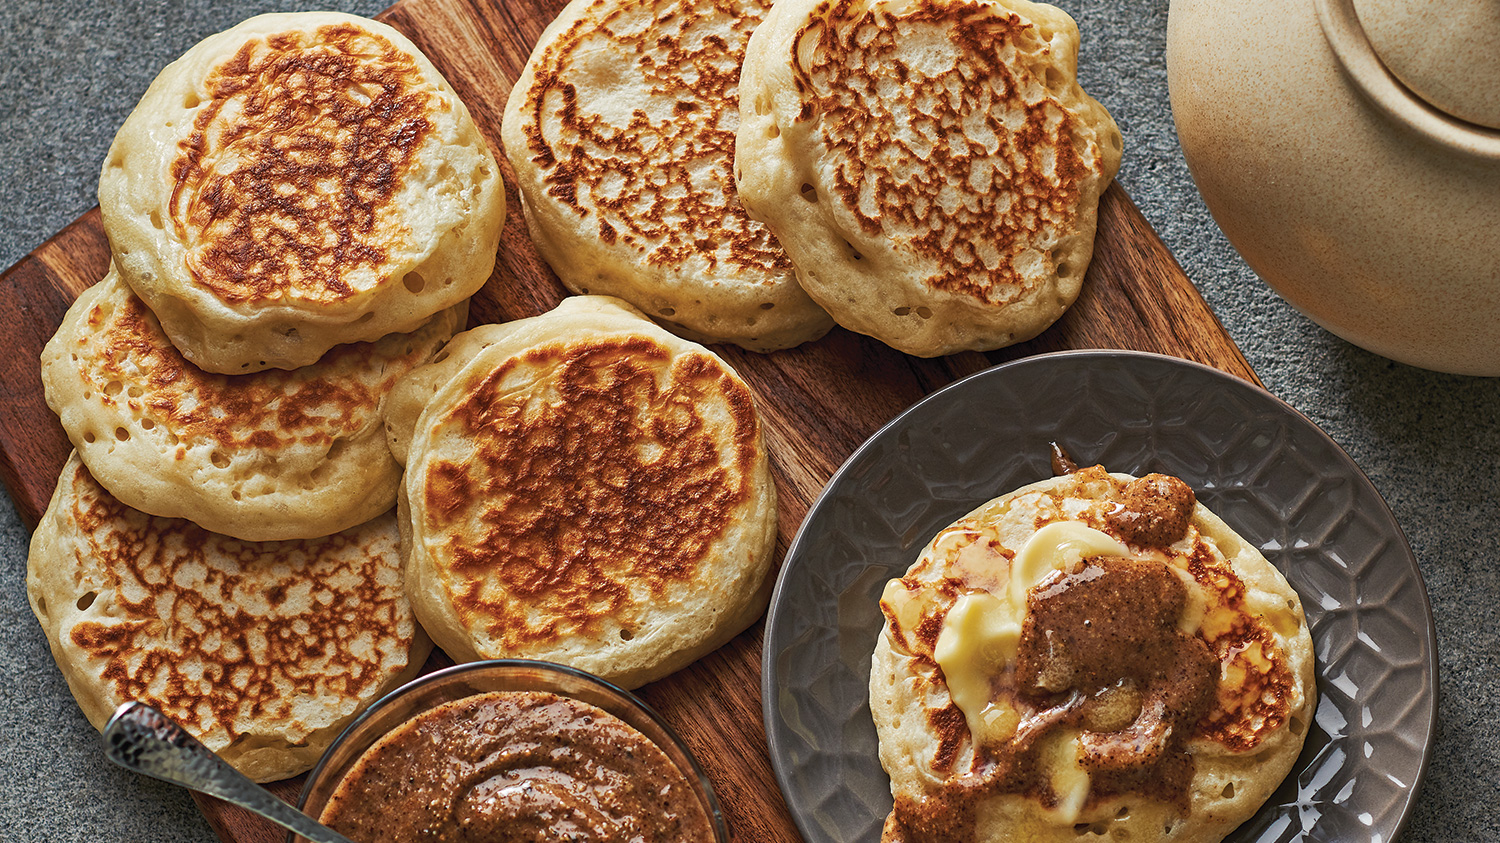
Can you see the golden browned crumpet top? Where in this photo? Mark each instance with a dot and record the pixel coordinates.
(295, 182)
(1092, 655)
(263, 651)
(264, 456)
(931, 166)
(589, 489)
(621, 134)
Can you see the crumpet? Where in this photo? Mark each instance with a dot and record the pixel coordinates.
(621, 132)
(932, 167)
(263, 651)
(265, 456)
(587, 488)
(297, 182)
(1088, 655)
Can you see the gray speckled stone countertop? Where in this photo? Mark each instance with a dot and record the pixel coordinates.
(70, 71)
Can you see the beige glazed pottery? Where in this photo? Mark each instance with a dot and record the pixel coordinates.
(1350, 150)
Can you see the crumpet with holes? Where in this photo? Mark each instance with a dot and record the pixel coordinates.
(264, 651)
(932, 167)
(587, 488)
(621, 134)
(265, 456)
(1093, 656)
(296, 182)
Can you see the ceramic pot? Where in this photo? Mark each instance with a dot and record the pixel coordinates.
(1350, 150)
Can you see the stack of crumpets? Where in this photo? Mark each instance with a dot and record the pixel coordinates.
(298, 211)
(925, 172)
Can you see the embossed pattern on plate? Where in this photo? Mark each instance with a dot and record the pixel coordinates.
(1268, 471)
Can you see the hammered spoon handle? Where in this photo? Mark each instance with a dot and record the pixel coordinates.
(142, 739)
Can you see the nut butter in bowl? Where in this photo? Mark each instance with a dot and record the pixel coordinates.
(512, 750)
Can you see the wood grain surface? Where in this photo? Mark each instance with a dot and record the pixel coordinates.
(818, 401)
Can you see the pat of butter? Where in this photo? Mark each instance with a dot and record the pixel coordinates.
(1056, 547)
(980, 635)
(982, 632)
(1070, 781)
(905, 606)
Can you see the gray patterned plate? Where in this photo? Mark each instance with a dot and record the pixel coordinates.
(1263, 467)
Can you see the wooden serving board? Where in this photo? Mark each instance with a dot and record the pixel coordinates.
(818, 401)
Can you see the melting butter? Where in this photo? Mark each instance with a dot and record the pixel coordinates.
(980, 636)
(1070, 782)
(905, 607)
(982, 631)
(1057, 547)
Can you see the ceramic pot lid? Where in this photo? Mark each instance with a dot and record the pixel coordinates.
(1447, 53)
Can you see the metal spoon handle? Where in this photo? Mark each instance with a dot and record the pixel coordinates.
(140, 738)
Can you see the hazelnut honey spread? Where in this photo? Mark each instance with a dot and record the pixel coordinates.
(1100, 649)
(506, 767)
(1084, 643)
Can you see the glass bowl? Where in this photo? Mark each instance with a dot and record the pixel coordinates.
(466, 680)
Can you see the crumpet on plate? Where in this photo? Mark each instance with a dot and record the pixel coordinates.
(1089, 655)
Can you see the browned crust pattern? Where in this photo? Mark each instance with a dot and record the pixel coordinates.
(234, 649)
(644, 179)
(925, 178)
(127, 361)
(578, 518)
(1247, 651)
(288, 174)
